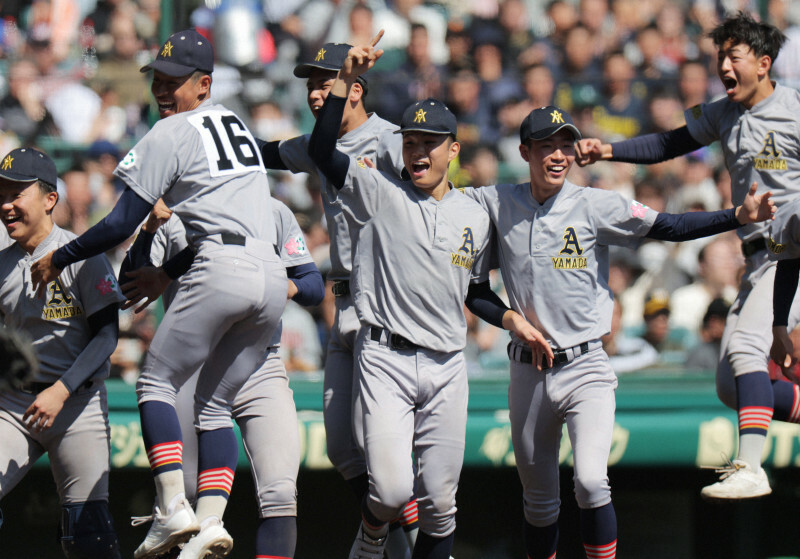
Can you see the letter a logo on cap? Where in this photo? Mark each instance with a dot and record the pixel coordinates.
(557, 117)
(320, 55)
(7, 162)
(420, 116)
(167, 50)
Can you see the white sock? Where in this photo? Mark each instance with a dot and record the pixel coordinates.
(168, 486)
(750, 448)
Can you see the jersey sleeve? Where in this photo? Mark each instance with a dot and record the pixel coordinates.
(703, 121)
(294, 251)
(294, 154)
(153, 164)
(622, 222)
(97, 284)
(390, 154)
(365, 190)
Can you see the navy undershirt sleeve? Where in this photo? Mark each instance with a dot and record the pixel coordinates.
(692, 225)
(271, 154)
(179, 264)
(786, 279)
(485, 304)
(138, 255)
(654, 148)
(322, 145)
(309, 282)
(129, 212)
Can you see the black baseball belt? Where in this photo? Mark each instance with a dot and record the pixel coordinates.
(239, 240)
(394, 341)
(38, 387)
(561, 356)
(341, 288)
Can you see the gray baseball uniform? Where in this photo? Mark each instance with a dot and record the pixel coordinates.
(554, 261)
(205, 165)
(413, 264)
(376, 140)
(761, 144)
(77, 442)
(264, 407)
(783, 243)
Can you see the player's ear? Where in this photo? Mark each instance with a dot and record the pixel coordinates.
(356, 92)
(523, 151)
(453, 150)
(50, 201)
(764, 65)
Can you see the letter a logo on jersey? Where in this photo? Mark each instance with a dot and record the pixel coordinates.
(571, 240)
(57, 294)
(770, 149)
(468, 245)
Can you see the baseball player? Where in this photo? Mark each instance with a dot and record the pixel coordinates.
(367, 136)
(63, 410)
(553, 248)
(420, 254)
(204, 163)
(757, 127)
(264, 407)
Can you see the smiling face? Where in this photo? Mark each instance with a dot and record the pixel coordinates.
(744, 75)
(25, 209)
(318, 86)
(179, 94)
(549, 161)
(427, 158)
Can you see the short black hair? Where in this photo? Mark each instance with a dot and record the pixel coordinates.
(46, 187)
(742, 29)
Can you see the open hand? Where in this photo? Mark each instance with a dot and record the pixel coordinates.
(146, 283)
(756, 207)
(524, 330)
(361, 58)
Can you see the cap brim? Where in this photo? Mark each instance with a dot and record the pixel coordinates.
(168, 68)
(304, 70)
(547, 132)
(14, 177)
(427, 131)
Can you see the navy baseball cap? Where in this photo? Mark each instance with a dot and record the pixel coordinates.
(182, 54)
(330, 56)
(28, 165)
(543, 122)
(431, 116)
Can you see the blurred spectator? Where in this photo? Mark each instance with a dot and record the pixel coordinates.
(73, 212)
(705, 355)
(499, 84)
(516, 24)
(539, 86)
(475, 119)
(656, 320)
(693, 83)
(595, 16)
(300, 347)
(362, 27)
(416, 78)
(580, 74)
(480, 165)
(459, 48)
(625, 353)
(622, 112)
(718, 266)
(22, 110)
(786, 67)
(665, 111)
(653, 66)
(677, 46)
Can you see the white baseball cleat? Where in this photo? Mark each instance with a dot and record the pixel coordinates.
(213, 542)
(167, 531)
(738, 481)
(366, 547)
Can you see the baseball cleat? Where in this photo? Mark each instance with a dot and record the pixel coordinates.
(738, 481)
(167, 531)
(366, 547)
(212, 541)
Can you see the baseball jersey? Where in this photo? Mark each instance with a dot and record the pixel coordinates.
(554, 256)
(205, 164)
(170, 239)
(761, 144)
(374, 139)
(415, 257)
(57, 323)
(784, 232)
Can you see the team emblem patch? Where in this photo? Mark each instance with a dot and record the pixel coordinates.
(769, 158)
(570, 257)
(59, 303)
(557, 117)
(167, 50)
(129, 160)
(320, 55)
(774, 246)
(464, 257)
(295, 245)
(107, 285)
(638, 209)
(7, 162)
(420, 116)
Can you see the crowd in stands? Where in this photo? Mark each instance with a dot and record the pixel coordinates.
(70, 85)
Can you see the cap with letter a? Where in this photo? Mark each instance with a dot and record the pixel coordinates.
(543, 122)
(431, 116)
(28, 165)
(182, 54)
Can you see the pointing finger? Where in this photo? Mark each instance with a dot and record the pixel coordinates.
(376, 38)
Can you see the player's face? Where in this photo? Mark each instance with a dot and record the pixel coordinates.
(26, 211)
(318, 86)
(549, 160)
(741, 72)
(427, 158)
(178, 94)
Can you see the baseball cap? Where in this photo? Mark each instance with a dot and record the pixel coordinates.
(183, 53)
(543, 122)
(656, 303)
(330, 56)
(28, 165)
(431, 116)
